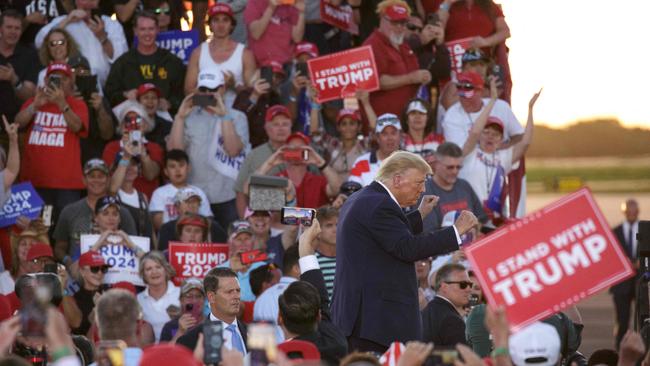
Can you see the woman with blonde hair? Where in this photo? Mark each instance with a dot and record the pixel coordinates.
(20, 244)
(58, 46)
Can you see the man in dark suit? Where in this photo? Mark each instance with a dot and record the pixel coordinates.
(222, 289)
(304, 306)
(624, 293)
(375, 298)
(442, 321)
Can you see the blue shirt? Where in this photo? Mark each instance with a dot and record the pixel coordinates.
(244, 280)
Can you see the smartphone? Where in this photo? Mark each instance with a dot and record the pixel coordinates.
(266, 73)
(95, 12)
(433, 19)
(302, 68)
(51, 268)
(135, 137)
(261, 344)
(46, 215)
(497, 72)
(297, 216)
(293, 154)
(189, 308)
(443, 357)
(204, 100)
(253, 256)
(33, 318)
(212, 342)
(54, 81)
(86, 85)
(110, 353)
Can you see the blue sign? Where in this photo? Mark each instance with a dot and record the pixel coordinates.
(180, 43)
(24, 201)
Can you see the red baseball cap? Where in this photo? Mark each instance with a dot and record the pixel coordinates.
(59, 67)
(125, 286)
(300, 350)
(92, 258)
(276, 110)
(194, 221)
(471, 77)
(147, 87)
(299, 135)
(221, 8)
(397, 12)
(350, 113)
(494, 121)
(168, 354)
(38, 250)
(305, 47)
(276, 67)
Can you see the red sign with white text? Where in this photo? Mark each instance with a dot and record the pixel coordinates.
(338, 16)
(340, 74)
(456, 50)
(549, 260)
(195, 259)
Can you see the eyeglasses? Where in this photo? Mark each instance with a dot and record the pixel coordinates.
(462, 284)
(203, 89)
(104, 269)
(162, 11)
(60, 42)
(413, 27)
(464, 86)
(452, 167)
(388, 121)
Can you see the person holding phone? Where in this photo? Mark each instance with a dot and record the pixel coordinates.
(58, 46)
(215, 137)
(55, 121)
(192, 301)
(241, 241)
(133, 145)
(92, 268)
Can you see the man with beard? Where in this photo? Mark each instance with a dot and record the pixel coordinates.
(397, 65)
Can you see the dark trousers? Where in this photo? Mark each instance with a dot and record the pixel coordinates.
(364, 345)
(225, 213)
(622, 305)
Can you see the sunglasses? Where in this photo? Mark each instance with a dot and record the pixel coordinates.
(413, 27)
(462, 284)
(162, 11)
(97, 269)
(203, 89)
(465, 86)
(388, 121)
(60, 42)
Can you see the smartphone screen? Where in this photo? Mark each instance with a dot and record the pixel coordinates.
(297, 216)
(266, 73)
(302, 68)
(261, 344)
(212, 342)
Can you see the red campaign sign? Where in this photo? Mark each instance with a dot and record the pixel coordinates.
(456, 50)
(340, 74)
(549, 260)
(195, 259)
(338, 16)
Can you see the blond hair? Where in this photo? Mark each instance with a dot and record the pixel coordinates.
(381, 7)
(400, 161)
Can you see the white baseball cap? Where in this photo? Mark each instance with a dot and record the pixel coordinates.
(387, 119)
(416, 106)
(210, 78)
(536, 345)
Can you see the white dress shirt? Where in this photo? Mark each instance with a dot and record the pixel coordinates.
(266, 306)
(227, 335)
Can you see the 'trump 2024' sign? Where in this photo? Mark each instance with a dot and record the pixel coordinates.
(340, 74)
(549, 260)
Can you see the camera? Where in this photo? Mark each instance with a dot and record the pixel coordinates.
(293, 154)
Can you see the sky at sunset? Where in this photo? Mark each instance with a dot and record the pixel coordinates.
(591, 56)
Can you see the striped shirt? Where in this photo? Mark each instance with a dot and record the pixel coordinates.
(328, 267)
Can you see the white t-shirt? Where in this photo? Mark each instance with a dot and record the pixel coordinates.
(155, 311)
(163, 197)
(365, 169)
(457, 122)
(480, 169)
(130, 199)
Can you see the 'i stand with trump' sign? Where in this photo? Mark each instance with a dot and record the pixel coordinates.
(549, 260)
(339, 75)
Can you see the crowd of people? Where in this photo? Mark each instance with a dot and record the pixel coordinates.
(124, 140)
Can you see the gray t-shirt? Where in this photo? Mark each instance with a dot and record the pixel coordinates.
(253, 161)
(76, 219)
(199, 133)
(451, 203)
(4, 195)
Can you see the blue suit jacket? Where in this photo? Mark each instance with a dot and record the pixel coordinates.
(375, 288)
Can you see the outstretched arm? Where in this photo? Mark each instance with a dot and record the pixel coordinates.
(520, 148)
